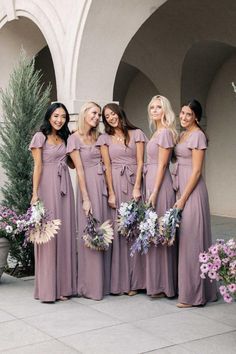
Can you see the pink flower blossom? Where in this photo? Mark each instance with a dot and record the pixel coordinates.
(223, 290)
(202, 275)
(232, 287)
(204, 268)
(203, 257)
(228, 298)
(214, 249)
(212, 274)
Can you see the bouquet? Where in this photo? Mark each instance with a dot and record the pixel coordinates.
(96, 237)
(168, 225)
(38, 226)
(219, 263)
(8, 223)
(148, 232)
(129, 215)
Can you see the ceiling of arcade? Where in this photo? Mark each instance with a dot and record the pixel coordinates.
(182, 43)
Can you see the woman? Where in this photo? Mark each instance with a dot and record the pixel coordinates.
(93, 266)
(195, 229)
(161, 266)
(55, 261)
(122, 149)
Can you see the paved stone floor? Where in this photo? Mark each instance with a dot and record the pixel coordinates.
(117, 324)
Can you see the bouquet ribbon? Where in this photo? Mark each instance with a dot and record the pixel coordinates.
(62, 168)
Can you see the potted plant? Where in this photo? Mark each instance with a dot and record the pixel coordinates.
(8, 227)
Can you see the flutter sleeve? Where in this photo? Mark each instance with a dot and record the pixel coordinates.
(139, 136)
(37, 141)
(103, 139)
(73, 143)
(197, 140)
(165, 139)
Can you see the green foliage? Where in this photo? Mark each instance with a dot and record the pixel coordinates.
(24, 103)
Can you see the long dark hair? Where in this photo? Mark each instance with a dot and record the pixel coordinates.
(46, 127)
(196, 107)
(125, 124)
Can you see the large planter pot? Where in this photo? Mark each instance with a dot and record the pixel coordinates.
(4, 249)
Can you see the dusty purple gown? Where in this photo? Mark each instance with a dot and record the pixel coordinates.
(127, 273)
(93, 266)
(161, 261)
(55, 261)
(195, 228)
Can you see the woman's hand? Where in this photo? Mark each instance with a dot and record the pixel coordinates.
(87, 207)
(153, 200)
(112, 201)
(136, 194)
(180, 203)
(34, 198)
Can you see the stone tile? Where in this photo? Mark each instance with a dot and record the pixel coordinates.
(17, 333)
(183, 326)
(136, 308)
(27, 307)
(223, 313)
(70, 321)
(174, 349)
(52, 347)
(120, 339)
(221, 344)
(4, 316)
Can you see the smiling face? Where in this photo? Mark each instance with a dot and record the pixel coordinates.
(92, 116)
(57, 119)
(112, 118)
(156, 111)
(187, 118)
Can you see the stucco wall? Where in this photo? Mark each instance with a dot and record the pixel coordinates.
(221, 128)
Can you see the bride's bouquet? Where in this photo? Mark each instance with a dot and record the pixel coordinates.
(148, 231)
(37, 225)
(168, 225)
(129, 215)
(97, 237)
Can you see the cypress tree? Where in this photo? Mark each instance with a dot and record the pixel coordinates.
(24, 103)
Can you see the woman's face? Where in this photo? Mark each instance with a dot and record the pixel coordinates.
(187, 117)
(156, 111)
(58, 119)
(92, 116)
(112, 118)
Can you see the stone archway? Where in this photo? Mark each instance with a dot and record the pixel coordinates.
(100, 52)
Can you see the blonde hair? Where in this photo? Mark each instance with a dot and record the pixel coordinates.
(168, 120)
(81, 118)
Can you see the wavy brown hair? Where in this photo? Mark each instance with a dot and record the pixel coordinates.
(125, 124)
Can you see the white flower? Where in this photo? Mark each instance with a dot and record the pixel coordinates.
(9, 229)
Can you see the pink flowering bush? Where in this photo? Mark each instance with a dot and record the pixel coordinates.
(219, 264)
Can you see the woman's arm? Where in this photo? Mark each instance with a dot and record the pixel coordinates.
(139, 157)
(107, 163)
(163, 160)
(197, 163)
(37, 156)
(86, 204)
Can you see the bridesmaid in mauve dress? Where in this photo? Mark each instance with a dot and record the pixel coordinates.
(161, 261)
(93, 266)
(55, 261)
(195, 228)
(122, 148)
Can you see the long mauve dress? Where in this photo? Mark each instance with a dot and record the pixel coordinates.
(161, 261)
(93, 266)
(195, 228)
(55, 261)
(127, 273)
